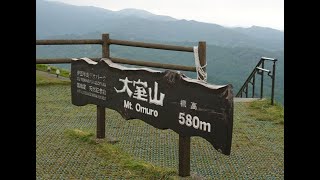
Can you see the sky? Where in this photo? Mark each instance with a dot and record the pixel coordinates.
(230, 13)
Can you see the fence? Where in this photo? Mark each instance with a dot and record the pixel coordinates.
(259, 69)
(105, 42)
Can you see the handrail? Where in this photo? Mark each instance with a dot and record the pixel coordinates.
(59, 60)
(115, 42)
(153, 64)
(121, 61)
(150, 45)
(269, 59)
(265, 70)
(259, 70)
(105, 42)
(67, 41)
(249, 78)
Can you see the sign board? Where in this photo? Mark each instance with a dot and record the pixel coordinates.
(163, 99)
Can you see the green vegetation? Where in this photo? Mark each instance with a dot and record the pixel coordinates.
(65, 144)
(49, 78)
(70, 19)
(131, 168)
(262, 110)
(80, 135)
(66, 148)
(225, 64)
(232, 53)
(63, 72)
(44, 79)
(114, 155)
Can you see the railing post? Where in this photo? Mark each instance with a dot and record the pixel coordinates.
(253, 83)
(262, 73)
(101, 111)
(202, 56)
(273, 79)
(247, 90)
(105, 46)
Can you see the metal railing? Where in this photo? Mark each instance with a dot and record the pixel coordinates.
(259, 69)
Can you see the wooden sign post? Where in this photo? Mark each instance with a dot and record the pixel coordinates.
(101, 111)
(184, 141)
(165, 100)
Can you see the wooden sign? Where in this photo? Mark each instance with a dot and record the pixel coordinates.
(165, 100)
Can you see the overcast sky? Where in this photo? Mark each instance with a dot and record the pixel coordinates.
(244, 13)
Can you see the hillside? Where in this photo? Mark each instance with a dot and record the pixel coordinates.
(225, 65)
(231, 52)
(54, 19)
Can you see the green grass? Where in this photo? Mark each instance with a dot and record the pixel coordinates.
(80, 135)
(262, 110)
(42, 79)
(43, 67)
(66, 147)
(112, 154)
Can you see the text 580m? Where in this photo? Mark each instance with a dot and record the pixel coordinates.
(188, 120)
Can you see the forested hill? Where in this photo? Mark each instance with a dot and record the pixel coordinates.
(55, 18)
(225, 65)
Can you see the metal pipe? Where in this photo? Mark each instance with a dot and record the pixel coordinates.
(273, 80)
(262, 73)
(262, 69)
(249, 78)
(253, 84)
(247, 90)
(268, 59)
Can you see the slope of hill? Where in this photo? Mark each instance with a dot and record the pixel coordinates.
(261, 33)
(53, 18)
(143, 14)
(225, 65)
(231, 52)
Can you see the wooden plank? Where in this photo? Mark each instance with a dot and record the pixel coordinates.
(68, 41)
(184, 155)
(151, 45)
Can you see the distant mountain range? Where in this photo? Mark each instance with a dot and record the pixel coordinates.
(232, 53)
(55, 18)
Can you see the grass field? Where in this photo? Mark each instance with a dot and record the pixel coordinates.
(66, 147)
